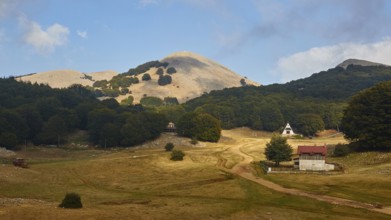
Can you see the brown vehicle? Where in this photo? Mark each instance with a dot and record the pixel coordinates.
(20, 162)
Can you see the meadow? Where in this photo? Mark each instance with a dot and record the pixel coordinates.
(143, 183)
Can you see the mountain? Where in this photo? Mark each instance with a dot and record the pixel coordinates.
(320, 98)
(357, 62)
(66, 78)
(193, 76)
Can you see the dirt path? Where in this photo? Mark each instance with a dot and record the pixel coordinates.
(244, 170)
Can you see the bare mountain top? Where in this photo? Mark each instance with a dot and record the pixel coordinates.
(66, 78)
(357, 62)
(194, 76)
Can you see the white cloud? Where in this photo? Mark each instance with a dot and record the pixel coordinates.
(82, 34)
(44, 41)
(303, 64)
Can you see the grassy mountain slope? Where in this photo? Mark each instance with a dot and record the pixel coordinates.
(66, 78)
(321, 97)
(194, 75)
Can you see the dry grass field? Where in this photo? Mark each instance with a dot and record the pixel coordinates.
(143, 183)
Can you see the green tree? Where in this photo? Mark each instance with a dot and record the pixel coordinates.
(159, 71)
(367, 119)
(53, 132)
(172, 112)
(8, 140)
(146, 77)
(151, 101)
(203, 127)
(278, 150)
(171, 70)
(309, 124)
(164, 80)
(127, 101)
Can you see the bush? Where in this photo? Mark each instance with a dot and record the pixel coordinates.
(169, 146)
(171, 70)
(124, 91)
(341, 150)
(159, 71)
(151, 101)
(71, 201)
(164, 80)
(177, 155)
(146, 77)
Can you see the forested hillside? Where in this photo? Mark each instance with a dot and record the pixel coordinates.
(37, 113)
(309, 104)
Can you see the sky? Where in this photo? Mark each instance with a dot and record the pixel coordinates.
(268, 41)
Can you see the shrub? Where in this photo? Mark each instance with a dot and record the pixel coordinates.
(151, 101)
(341, 150)
(100, 83)
(169, 146)
(164, 80)
(159, 71)
(171, 70)
(170, 101)
(127, 101)
(243, 82)
(71, 201)
(177, 155)
(146, 77)
(124, 91)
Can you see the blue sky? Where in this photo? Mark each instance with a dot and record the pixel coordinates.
(269, 41)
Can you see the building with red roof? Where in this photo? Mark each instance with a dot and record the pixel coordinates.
(312, 158)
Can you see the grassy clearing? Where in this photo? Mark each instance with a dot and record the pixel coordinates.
(367, 179)
(145, 184)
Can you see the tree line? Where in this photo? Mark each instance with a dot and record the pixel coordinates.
(39, 114)
(309, 105)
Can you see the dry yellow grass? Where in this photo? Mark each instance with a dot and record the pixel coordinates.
(142, 183)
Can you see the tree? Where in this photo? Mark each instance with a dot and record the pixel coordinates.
(201, 126)
(53, 132)
(151, 101)
(71, 201)
(309, 124)
(146, 77)
(278, 150)
(8, 140)
(367, 119)
(171, 70)
(177, 155)
(169, 146)
(160, 71)
(164, 80)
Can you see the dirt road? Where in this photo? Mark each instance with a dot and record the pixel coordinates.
(244, 170)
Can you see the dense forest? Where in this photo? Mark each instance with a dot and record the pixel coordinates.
(42, 115)
(38, 114)
(309, 104)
